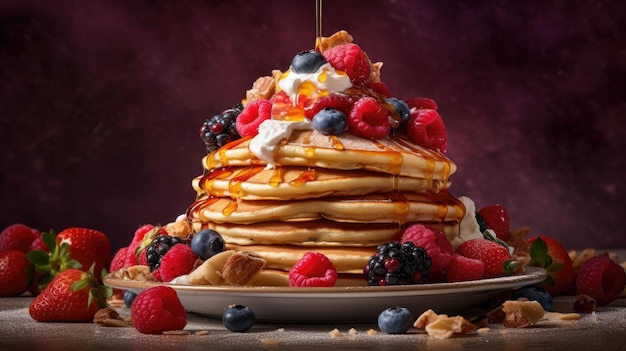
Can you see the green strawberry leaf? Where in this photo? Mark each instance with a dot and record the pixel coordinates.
(554, 267)
(489, 235)
(147, 240)
(510, 266)
(539, 256)
(49, 239)
(39, 258)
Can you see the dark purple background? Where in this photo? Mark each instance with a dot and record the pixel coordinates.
(100, 101)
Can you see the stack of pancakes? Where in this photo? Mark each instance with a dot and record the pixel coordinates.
(340, 195)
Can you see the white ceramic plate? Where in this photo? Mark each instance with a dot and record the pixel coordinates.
(346, 304)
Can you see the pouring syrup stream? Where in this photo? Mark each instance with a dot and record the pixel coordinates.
(318, 25)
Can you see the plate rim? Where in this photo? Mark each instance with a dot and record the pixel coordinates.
(530, 274)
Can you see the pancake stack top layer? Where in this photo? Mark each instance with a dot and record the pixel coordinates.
(288, 188)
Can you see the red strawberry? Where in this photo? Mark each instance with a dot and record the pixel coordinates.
(421, 103)
(495, 256)
(17, 237)
(497, 219)
(177, 261)
(38, 244)
(339, 102)
(546, 252)
(463, 268)
(602, 279)
(72, 296)
(314, 270)
(433, 241)
(87, 246)
(350, 59)
(369, 119)
(15, 271)
(252, 116)
(158, 309)
(426, 128)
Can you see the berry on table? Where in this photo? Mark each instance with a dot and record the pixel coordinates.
(158, 309)
(307, 62)
(313, 270)
(14, 272)
(330, 121)
(18, 237)
(369, 119)
(398, 264)
(395, 320)
(548, 253)
(238, 318)
(535, 293)
(206, 243)
(602, 279)
(129, 297)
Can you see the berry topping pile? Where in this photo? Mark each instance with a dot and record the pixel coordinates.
(363, 106)
(313, 270)
(398, 264)
(157, 249)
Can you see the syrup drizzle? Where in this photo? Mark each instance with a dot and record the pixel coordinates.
(318, 25)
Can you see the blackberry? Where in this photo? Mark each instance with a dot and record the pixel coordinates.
(398, 264)
(482, 224)
(159, 247)
(220, 129)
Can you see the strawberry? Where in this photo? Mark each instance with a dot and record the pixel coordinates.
(314, 270)
(350, 59)
(87, 246)
(17, 237)
(15, 272)
(252, 116)
(497, 219)
(177, 261)
(437, 246)
(462, 268)
(38, 244)
(546, 252)
(118, 259)
(72, 296)
(156, 310)
(602, 279)
(495, 256)
(369, 119)
(426, 128)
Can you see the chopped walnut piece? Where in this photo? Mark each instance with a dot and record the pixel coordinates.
(110, 318)
(241, 267)
(262, 88)
(375, 72)
(339, 38)
(519, 242)
(138, 272)
(441, 326)
(179, 228)
(520, 314)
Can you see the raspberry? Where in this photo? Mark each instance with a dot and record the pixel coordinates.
(397, 264)
(369, 119)
(147, 232)
(492, 254)
(350, 59)
(313, 270)
(158, 309)
(159, 246)
(118, 259)
(253, 114)
(17, 237)
(426, 129)
(433, 241)
(602, 279)
(179, 260)
(462, 268)
(382, 89)
(339, 102)
(421, 103)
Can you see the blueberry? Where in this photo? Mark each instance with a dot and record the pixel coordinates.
(207, 243)
(395, 320)
(330, 121)
(238, 318)
(535, 293)
(129, 297)
(307, 62)
(401, 108)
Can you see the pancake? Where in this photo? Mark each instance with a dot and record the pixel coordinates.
(296, 183)
(283, 257)
(309, 148)
(315, 233)
(373, 208)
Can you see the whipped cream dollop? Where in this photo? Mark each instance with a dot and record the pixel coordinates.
(325, 79)
(271, 132)
(469, 226)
